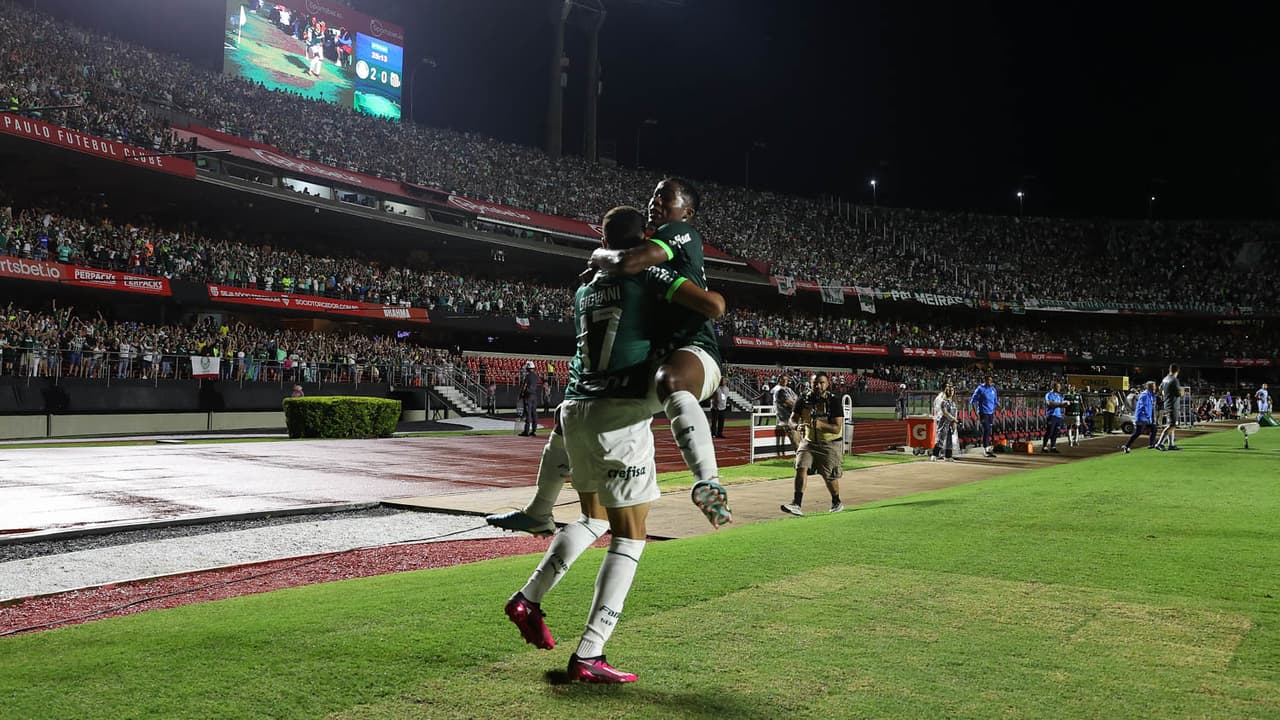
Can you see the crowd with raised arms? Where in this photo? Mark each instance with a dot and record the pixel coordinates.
(49, 63)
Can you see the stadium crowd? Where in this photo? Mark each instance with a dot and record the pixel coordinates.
(126, 91)
(192, 255)
(1136, 341)
(62, 342)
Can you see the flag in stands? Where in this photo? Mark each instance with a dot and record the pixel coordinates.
(205, 368)
(786, 284)
(867, 300)
(522, 323)
(833, 294)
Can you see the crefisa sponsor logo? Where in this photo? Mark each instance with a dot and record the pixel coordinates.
(393, 312)
(632, 471)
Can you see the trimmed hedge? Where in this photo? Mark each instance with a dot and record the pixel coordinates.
(341, 417)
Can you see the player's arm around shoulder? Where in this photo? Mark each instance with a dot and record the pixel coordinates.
(632, 260)
(678, 290)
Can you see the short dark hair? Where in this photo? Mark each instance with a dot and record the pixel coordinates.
(623, 227)
(692, 195)
(1173, 368)
(821, 373)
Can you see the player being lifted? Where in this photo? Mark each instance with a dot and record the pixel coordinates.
(605, 420)
(687, 375)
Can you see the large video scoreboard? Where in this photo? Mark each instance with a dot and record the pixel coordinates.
(318, 49)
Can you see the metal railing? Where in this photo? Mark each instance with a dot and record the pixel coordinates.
(744, 387)
(56, 364)
(462, 381)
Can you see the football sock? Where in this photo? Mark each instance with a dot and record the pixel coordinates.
(692, 434)
(797, 499)
(612, 585)
(552, 471)
(567, 546)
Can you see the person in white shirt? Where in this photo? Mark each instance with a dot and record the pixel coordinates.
(719, 405)
(784, 400)
(1263, 400)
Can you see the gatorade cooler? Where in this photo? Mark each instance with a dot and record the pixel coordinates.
(921, 432)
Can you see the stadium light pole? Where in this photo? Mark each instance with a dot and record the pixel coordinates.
(1151, 204)
(873, 193)
(641, 126)
(1021, 196)
(413, 75)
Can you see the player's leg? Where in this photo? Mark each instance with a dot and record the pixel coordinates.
(525, 607)
(688, 376)
(613, 583)
(628, 488)
(553, 469)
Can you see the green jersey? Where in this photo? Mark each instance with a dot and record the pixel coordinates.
(680, 327)
(615, 318)
(1076, 403)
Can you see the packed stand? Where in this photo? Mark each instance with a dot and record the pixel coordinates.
(63, 343)
(189, 255)
(1136, 341)
(47, 63)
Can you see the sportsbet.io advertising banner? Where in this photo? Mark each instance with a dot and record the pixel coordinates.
(308, 303)
(44, 271)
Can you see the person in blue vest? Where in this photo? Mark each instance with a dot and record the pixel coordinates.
(1144, 417)
(1053, 404)
(984, 397)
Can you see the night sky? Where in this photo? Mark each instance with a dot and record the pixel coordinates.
(1090, 110)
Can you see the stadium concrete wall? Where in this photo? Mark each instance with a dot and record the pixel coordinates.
(88, 425)
(266, 420)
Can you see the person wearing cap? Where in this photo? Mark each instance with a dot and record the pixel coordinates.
(529, 400)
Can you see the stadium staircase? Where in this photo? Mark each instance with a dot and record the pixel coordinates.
(741, 393)
(458, 401)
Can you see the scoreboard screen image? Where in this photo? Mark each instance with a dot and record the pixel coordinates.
(319, 49)
(379, 65)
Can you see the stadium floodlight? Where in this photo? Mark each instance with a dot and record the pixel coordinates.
(1021, 195)
(873, 193)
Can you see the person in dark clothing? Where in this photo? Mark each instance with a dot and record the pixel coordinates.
(529, 392)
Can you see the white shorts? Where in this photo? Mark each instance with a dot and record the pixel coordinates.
(610, 448)
(710, 371)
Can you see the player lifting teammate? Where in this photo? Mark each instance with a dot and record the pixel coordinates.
(605, 421)
(687, 375)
